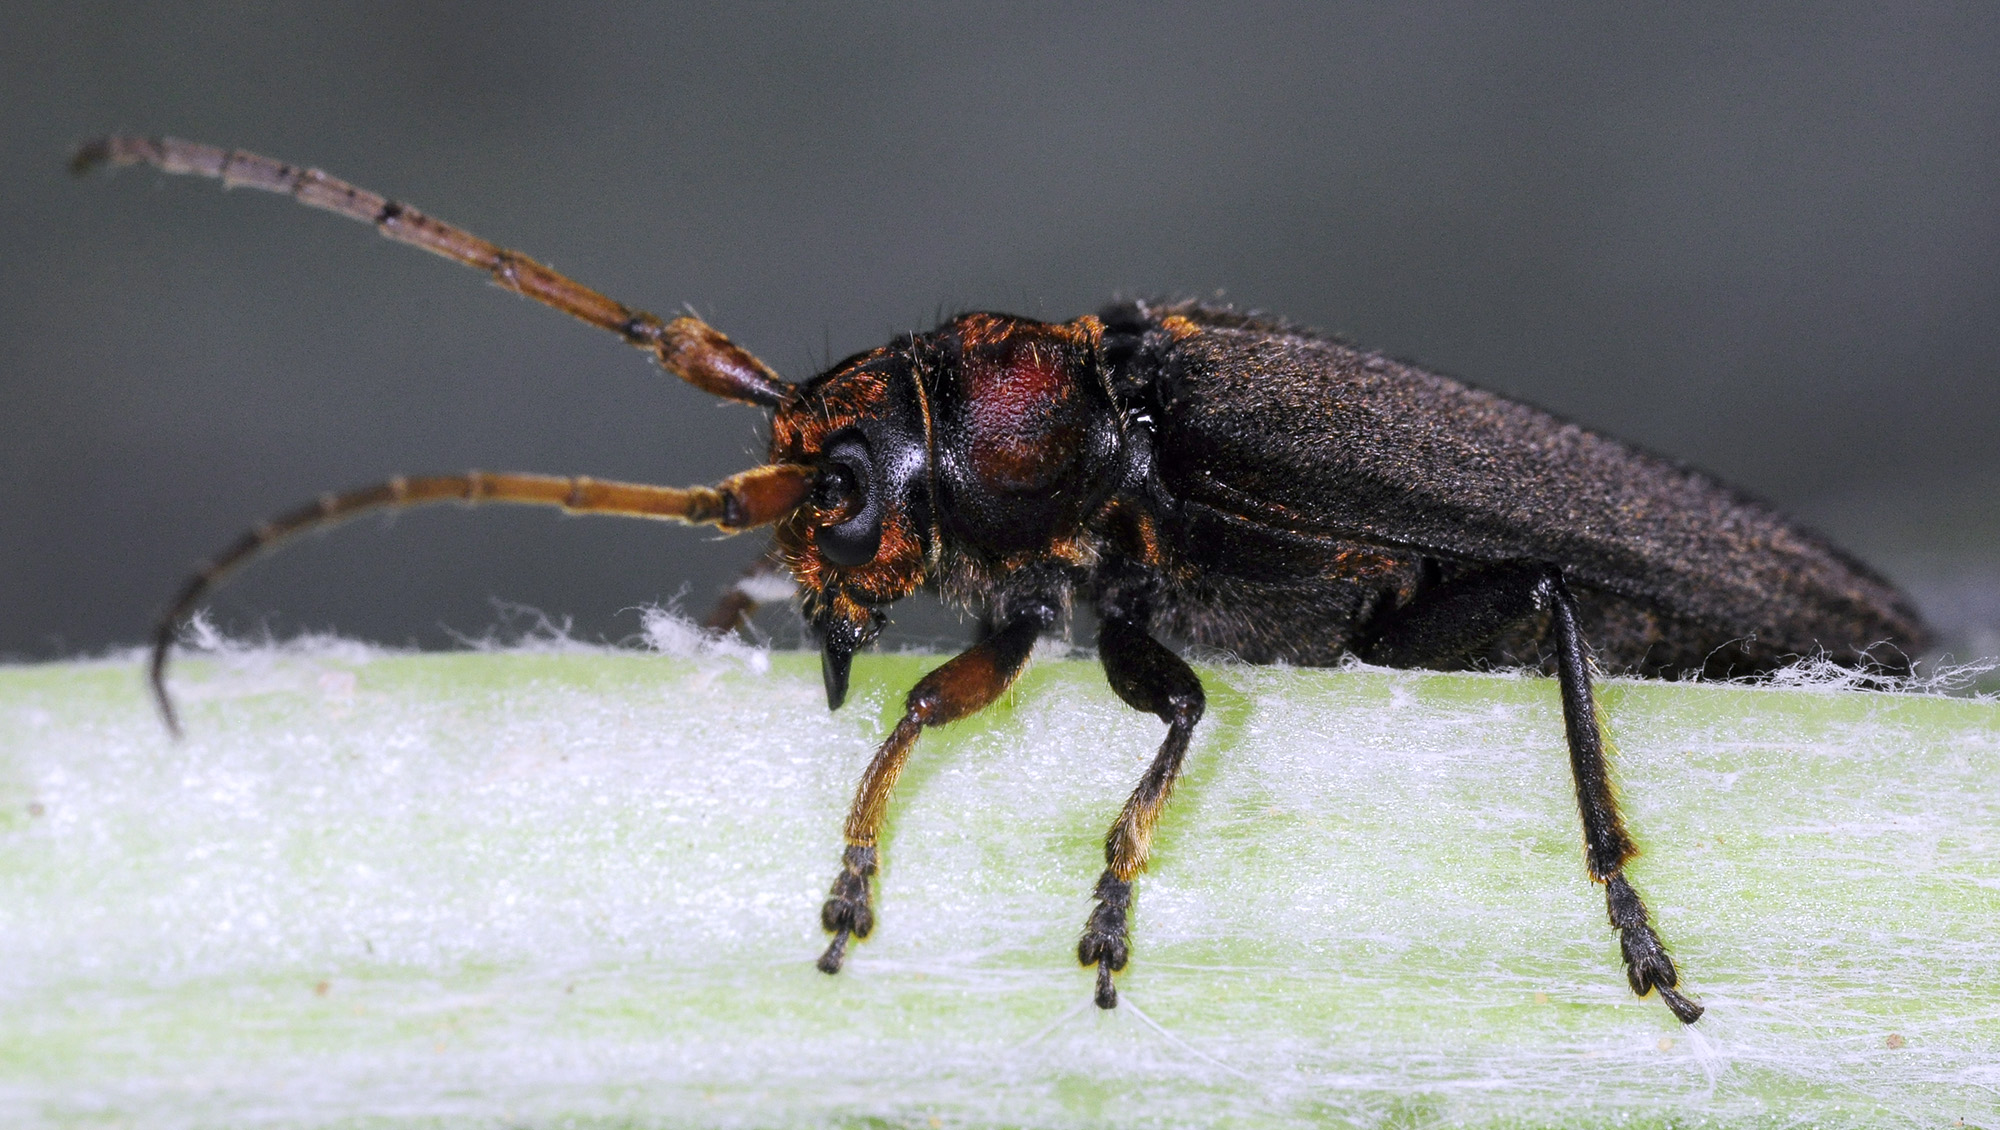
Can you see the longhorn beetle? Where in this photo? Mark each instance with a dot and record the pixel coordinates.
(1224, 478)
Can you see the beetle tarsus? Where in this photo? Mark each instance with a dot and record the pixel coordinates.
(1647, 966)
(1106, 941)
(848, 912)
(1106, 996)
(1684, 1009)
(836, 952)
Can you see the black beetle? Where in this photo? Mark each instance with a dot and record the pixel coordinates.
(1225, 479)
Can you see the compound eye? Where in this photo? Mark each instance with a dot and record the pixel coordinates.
(848, 498)
(835, 490)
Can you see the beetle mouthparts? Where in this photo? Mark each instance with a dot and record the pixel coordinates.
(842, 638)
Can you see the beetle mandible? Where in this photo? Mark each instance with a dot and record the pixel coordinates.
(1183, 470)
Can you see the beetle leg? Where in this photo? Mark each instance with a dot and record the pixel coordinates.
(963, 686)
(1454, 622)
(763, 581)
(1449, 624)
(1149, 678)
(1647, 965)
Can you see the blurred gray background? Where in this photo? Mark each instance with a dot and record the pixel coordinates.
(1767, 242)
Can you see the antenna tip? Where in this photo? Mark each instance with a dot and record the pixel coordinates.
(89, 155)
(156, 676)
(165, 702)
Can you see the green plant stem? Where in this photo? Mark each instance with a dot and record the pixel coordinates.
(512, 888)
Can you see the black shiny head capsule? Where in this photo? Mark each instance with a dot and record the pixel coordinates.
(1182, 471)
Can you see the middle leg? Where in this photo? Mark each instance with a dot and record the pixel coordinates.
(1149, 678)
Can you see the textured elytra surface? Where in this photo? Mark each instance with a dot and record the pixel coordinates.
(518, 887)
(1331, 452)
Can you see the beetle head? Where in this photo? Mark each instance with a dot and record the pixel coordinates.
(991, 432)
(864, 536)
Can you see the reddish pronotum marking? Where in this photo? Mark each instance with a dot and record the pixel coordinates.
(754, 498)
(687, 347)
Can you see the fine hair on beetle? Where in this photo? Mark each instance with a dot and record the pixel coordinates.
(1178, 470)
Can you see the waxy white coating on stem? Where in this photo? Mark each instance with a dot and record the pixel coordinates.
(511, 887)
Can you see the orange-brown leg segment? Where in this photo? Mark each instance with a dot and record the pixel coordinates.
(1149, 678)
(686, 347)
(754, 498)
(763, 581)
(961, 687)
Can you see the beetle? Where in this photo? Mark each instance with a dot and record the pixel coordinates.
(1183, 471)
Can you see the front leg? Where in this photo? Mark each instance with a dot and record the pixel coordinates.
(1455, 622)
(1149, 678)
(762, 581)
(963, 686)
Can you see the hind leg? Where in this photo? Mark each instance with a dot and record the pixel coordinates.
(1454, 622)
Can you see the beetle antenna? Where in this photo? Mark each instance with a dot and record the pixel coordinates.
(756, 497)
(687, 347)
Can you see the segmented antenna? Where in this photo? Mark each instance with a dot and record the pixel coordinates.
(754, 498)
(687, 347)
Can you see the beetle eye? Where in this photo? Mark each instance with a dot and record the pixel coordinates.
(834, 489)
(849, 500)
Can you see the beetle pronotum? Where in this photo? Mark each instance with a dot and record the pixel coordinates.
(1227, 479)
